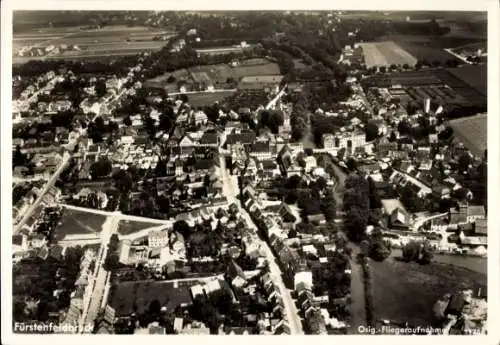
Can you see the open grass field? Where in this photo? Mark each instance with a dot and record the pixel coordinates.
(408, 291)
(75, 222)
(220, 73)
(386, 54)
(201, 99)
(127, 227)
(472, 132)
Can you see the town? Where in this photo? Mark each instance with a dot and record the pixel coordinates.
(250, 173)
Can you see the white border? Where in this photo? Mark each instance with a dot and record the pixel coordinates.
(493, 150)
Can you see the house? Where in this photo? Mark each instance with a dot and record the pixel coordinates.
(440, 191)
(235, 275)
(395, 213)
(384, 146)
(209, 139)
(316, 218)
(475, 212)
(315, 322)
(458, 215)
(187, 145)
(261, 150)
(303, 280)
(246, 138)
(328, 141)
(481, 227)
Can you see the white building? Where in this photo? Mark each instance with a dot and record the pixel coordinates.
(158, 238)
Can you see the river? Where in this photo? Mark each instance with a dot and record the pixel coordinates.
(474, 263)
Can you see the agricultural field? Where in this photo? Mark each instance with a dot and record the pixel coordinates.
(431, 48)
(201, 99)
(76, 43)
(75, 222)
(474, 75)
(411, 296)
(386, 54)
(472, 132)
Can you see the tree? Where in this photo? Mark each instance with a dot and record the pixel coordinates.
(150, 125)
(101, 168)
(427, 254)
(382, 69)
(328, 206)
(182, 227)
(272, 119)
(19, 159)
(379, 250)
(100, 88)
(356, 220)
(351, 164)
(371, 131)
(464, 160)
(123, 180)
(127, 121)
(411, 251)
(341, 154)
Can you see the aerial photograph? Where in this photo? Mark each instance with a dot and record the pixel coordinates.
(249, 172)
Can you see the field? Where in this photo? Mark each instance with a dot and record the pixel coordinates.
(78, 223)
(129, 297)
(385, 54)
(472, 132)
(407, 292)
(218, 75)
(432, 48)
(113, 40)
(126, 227)
(201, 99)
(474, 75)
(438, 84)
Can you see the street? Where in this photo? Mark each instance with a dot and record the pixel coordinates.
(50, 183)
(231, 190)
(91, 311)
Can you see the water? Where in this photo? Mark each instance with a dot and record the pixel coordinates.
(477, 264)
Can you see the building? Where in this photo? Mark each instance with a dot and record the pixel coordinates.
(395, 213)
(350, 141)
(158, 239)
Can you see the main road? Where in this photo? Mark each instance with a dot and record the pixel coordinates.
(92, 309)
(231, 191)
(50, 183)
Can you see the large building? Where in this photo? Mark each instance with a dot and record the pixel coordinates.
(346, 140)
